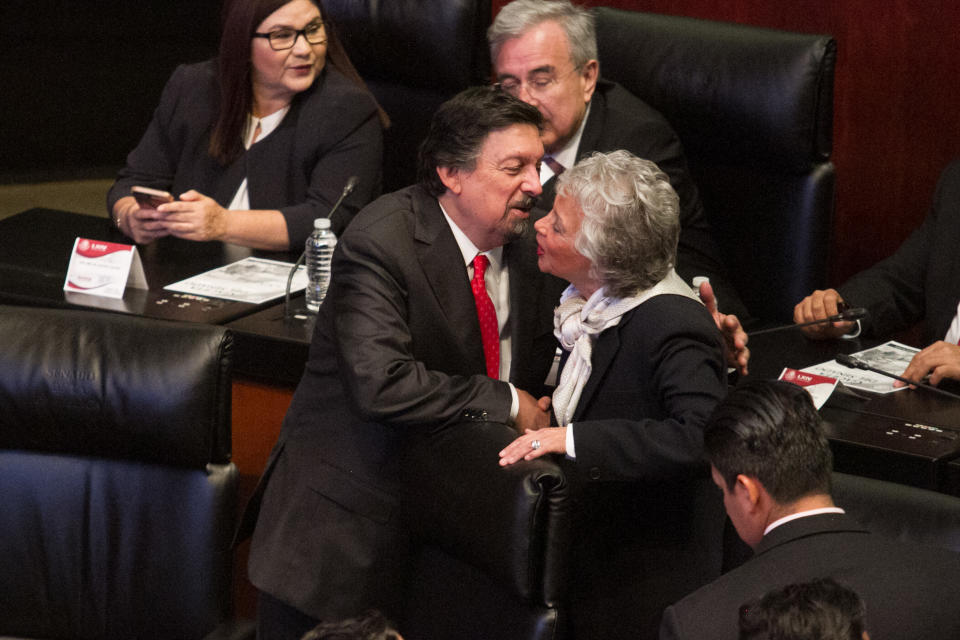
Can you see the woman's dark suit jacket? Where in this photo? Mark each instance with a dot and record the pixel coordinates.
(638, 474)
(331, 132)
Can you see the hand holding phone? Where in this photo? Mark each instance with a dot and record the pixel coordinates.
(150, 198)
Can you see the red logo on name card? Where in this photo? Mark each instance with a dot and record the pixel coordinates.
(805, 379)
(98, 249)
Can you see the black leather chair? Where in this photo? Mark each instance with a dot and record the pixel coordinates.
(754, 110)
(898, 511)
(491, 543)
(414, 55)
(118, 495)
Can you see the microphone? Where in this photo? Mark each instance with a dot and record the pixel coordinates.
(854, 363)
(849, 314)
(348, 188)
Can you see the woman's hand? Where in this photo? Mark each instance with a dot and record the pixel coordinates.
(144, 225)
(195, 217)
(547, 440)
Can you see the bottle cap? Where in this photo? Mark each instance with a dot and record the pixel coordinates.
(321, 223)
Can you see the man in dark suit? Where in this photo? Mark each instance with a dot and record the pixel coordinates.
(544, 52)
(399, 352)
(920, 282)
(771, 459)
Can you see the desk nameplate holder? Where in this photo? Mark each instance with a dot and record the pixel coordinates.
(100, 268)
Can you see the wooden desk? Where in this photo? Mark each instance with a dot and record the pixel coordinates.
(911, 437)
(271, 350)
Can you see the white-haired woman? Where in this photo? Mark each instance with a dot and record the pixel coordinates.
(643, 361)
(643, 368)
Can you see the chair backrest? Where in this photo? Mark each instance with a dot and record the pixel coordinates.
(118, 494)
(493, 542)
(901, 512)
(414, 55)
(753, 108)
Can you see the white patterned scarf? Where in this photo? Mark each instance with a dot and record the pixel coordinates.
(577, 323)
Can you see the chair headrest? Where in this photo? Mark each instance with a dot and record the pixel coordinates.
(730, 91)
(111, 385)
(415, 43)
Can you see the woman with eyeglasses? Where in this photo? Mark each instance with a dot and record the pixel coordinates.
(257, 143)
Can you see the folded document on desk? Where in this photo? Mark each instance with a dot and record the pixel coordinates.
(253, 280)
(890, 356)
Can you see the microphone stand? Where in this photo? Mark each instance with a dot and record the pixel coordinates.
(850, 314)
(854, 363)
(348, 188)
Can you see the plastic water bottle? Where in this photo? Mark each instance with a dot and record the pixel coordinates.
(319, 253)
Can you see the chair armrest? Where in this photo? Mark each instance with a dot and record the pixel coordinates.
(513, 522)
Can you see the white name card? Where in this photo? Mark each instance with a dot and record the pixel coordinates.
(104, 268)
(819, 387)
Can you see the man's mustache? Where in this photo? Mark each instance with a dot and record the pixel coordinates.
(526, 204)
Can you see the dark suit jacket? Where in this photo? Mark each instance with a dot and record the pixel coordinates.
(396, 354)
(655, 378)
(910, 591)
(331, 132)
(638, 432)
(921, 281)
(620, 120)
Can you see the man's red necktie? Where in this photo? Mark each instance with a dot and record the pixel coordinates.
(487, 315)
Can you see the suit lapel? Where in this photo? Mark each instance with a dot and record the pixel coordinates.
(525, 287)
(267, 164)
(533, 297)
(594, 127)
(604, 351)
(588, 143)
(442, 264)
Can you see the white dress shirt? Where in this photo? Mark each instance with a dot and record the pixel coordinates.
(953, 333)
(800, 514)
(497, 282)
(567, 156)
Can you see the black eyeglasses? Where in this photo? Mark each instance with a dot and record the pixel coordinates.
(537, 85)
(281, 39)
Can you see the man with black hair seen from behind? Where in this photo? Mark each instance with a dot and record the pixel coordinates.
(771, 459)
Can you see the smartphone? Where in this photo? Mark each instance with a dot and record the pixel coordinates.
(150, 198)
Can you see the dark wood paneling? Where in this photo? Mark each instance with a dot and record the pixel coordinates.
(896, 123)
(79, 81)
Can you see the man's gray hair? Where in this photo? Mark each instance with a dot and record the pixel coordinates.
(520, 15)
(631, 221)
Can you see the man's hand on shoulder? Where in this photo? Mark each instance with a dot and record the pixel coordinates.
(818, 306)
(941, 360)
(734, 337)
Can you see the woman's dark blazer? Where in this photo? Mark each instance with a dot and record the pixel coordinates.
(331, 132)
(639, 478)
(655, 378)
